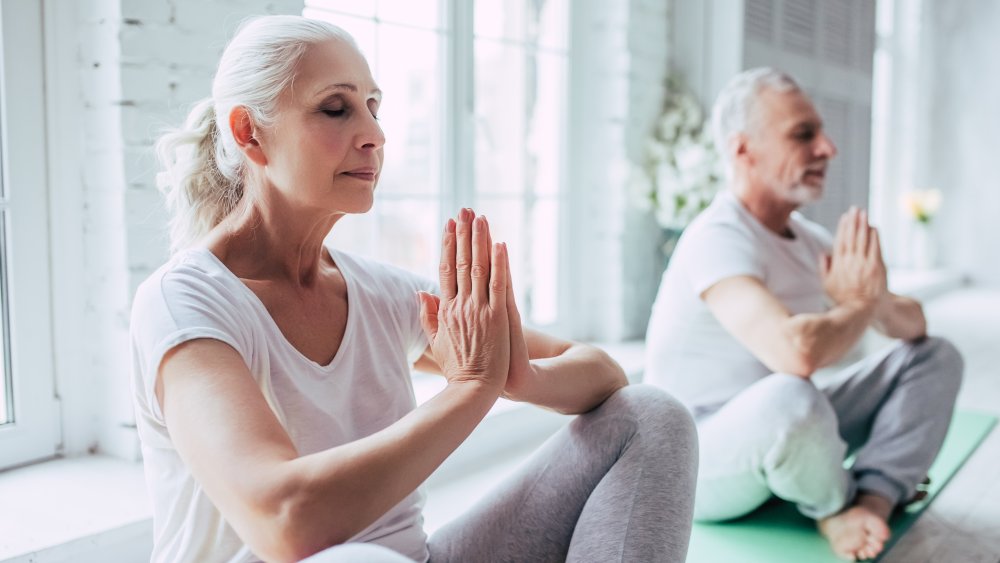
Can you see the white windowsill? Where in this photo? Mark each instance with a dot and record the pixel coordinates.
(95, 508)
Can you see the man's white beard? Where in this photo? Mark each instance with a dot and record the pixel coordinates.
(801, 194)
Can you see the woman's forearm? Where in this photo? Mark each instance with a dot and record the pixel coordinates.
(576, 381)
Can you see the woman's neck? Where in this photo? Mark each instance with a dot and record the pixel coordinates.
(270, 243)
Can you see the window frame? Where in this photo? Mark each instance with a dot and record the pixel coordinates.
(34, 433)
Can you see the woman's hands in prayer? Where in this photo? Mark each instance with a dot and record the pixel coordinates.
(468, 327)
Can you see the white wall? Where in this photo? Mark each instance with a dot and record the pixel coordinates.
(962, 113)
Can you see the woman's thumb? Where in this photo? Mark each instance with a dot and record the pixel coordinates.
(428, 314)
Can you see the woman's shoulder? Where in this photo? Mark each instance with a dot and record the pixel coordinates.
(194, 275)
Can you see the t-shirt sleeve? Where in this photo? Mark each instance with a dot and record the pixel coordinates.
(719, 251)
(169, 310)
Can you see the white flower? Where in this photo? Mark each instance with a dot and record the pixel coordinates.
(681, 170)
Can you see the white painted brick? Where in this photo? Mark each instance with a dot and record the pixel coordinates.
(147, 11)
(191, 85)
(143, 124)
(167, 45)
(145, 83)
(99, 43)
(140, 166)
(214, 19)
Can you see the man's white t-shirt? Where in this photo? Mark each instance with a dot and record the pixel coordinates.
(365, 388)
(688, 352)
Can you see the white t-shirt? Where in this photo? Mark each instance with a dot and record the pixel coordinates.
(365, 388)
(687, 351)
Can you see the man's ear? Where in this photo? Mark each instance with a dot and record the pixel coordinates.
(245, 133)
(739, 147)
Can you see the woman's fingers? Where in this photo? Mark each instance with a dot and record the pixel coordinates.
(499, 276)
(481, 251)
(463, 251)
(446, 271)
(513, 315)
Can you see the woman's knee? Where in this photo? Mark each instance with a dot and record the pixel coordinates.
(654, 410)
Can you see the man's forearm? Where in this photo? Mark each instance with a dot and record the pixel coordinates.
(901, 317)
(823, 338)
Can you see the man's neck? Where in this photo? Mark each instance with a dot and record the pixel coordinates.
(773, 214)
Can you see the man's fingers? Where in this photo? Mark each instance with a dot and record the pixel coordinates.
(480, 273)
(825, 261)
(863, 232)
(875, 246)
(446, 271)
(498, 276)
(463, 251)
(840, 241)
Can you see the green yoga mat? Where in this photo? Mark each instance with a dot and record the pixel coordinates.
(777, 533)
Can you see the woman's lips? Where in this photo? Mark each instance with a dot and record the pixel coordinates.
(367, 175)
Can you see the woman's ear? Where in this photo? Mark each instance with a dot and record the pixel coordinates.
(244, 131)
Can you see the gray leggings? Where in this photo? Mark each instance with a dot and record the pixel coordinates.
(616, 484)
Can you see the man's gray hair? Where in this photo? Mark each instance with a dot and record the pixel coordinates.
(734, 107)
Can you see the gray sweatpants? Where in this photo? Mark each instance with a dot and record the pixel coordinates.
(788, 437)
(616, 484)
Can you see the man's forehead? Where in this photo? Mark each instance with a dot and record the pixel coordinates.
(787, 108)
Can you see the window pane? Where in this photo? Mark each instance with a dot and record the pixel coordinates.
(364, 8)
(531, 230)
(520, 109)
(363, 30)
(500, 114)
(535, 22)
(404, 232)
(409, 73)
(500, 20)
(425, 14)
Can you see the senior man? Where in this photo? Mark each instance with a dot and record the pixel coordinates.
(757, 298)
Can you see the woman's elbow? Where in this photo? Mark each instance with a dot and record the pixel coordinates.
(290, 529)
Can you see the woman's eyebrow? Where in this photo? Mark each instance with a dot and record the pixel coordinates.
(376, 93)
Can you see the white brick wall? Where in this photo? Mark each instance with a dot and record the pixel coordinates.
(143, 63)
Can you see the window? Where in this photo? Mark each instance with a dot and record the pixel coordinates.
(29, 423)
(474, 115)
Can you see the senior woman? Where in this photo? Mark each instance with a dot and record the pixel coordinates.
(271, 371)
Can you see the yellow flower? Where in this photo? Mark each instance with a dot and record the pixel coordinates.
(922, 205)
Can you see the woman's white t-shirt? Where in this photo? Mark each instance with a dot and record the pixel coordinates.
(365, 388)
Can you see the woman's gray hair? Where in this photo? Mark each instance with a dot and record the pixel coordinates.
(735, 106)
(203, 175)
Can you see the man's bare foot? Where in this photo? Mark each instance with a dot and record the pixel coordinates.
(860, 531)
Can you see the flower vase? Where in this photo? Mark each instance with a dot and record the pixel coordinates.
(924, 252)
